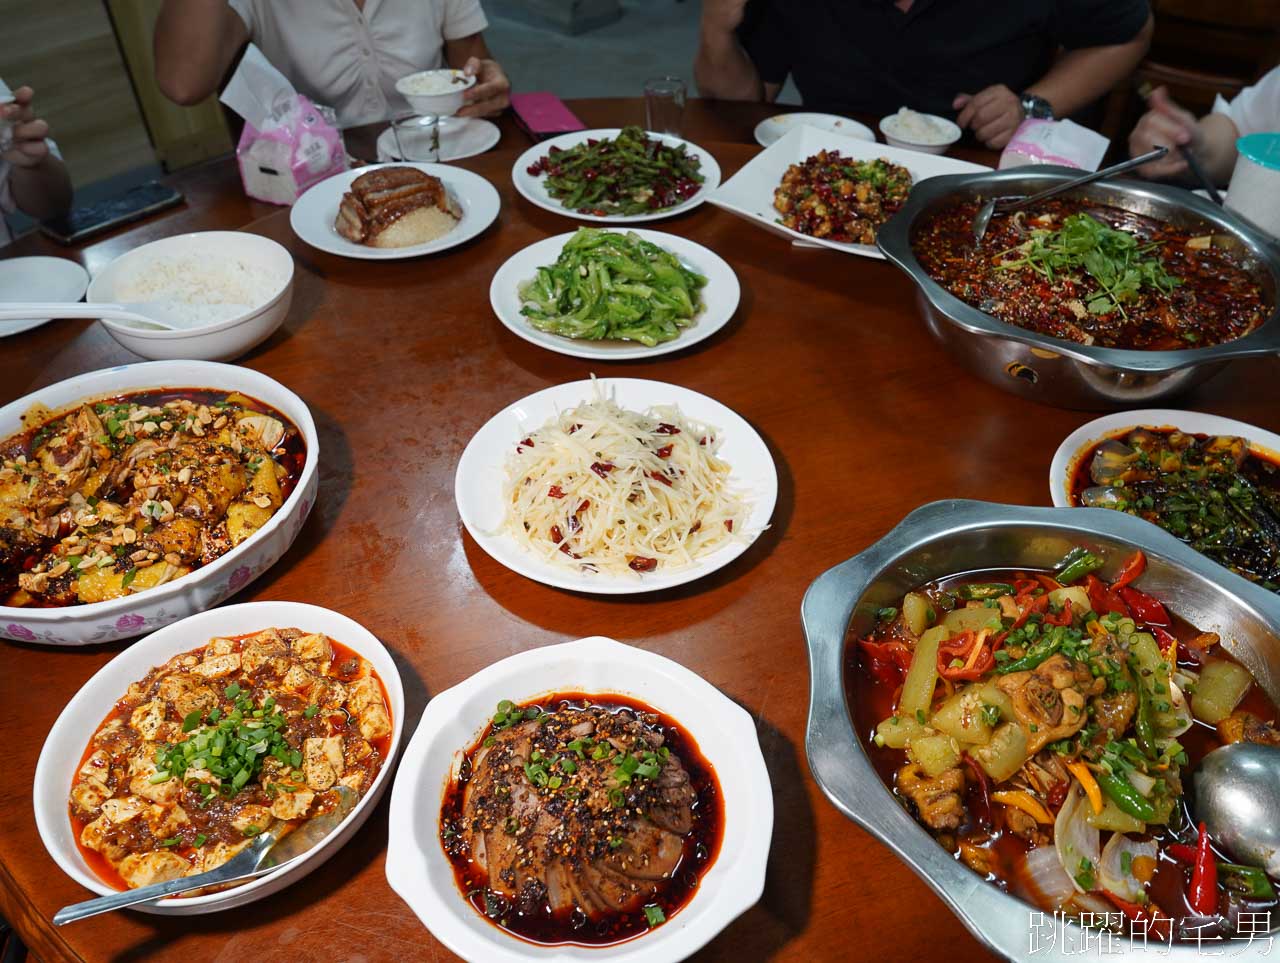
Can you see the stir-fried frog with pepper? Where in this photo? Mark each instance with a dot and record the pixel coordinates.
(832, 196)
(124, 495)
(1043, 726)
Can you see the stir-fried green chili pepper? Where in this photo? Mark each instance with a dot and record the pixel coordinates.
(1078, 563)
(1047, 645)
(1127, 798)
(981, 591)
(1144, 727)
(1246, 880)
(610, 285)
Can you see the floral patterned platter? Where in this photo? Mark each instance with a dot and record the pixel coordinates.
(208, 585)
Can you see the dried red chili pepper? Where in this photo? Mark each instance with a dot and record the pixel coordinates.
(642, 564)
(555, 491)
(602, 468)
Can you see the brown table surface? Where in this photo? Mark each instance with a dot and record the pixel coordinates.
(401, 362)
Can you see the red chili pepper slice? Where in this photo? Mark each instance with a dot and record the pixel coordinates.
(642, 564)
(586, 503)
(981, 807)
(1182, 853)
(1062, 618)
(1144, 608)
(1134, 566)
(1203, 892)
(602, 468)
(1157, 924)
(664, 451)
(557, 536)
(555, 491)
(1039, 604)
(728, 523)
(1103, 599)
(666, 429)
(659, 476)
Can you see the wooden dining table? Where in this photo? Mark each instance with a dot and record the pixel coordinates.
(401, 361)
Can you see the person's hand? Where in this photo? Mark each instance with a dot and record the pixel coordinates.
(1164, 125)
(28, 132)
(992, 114)
(722, 16)
(491, 93)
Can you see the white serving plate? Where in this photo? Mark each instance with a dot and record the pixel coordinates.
(749, 193)
(720, 298)
(419, 871)
(772, 129)
(1078, 443)
(207, 586)
(313, 214)
(460, 137)
(532, 188)
(482, 470)
(64, 748)
(39, 279)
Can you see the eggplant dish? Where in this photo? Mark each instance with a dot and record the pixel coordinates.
(840, 199)
(123, 495)
(1094, 274)
(581, 819)
(1043, 728)
(222, 743)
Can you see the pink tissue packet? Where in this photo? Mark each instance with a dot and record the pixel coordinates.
(1062, 142)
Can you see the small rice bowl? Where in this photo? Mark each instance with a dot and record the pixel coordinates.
(916, 128)
(203, 289)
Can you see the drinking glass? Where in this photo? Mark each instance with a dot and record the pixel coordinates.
(417, 138)
(664, 105)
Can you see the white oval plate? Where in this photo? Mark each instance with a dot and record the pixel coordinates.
(419, 871)
(482, 470)
(207, 586)
(532, 189)
(64, 748)
(460, 137)
(314, 213)
(39, 279)
(774, 128)
(720, 298)
(1076, 444)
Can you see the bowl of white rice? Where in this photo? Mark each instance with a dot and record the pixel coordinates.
(229, 289)
(912, 130)
(435, 93)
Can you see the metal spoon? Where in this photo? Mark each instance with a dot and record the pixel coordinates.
(146, 314)
(1238, 799)
(1016, 202)
(268, 851)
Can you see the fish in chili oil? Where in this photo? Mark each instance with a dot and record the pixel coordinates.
(581, 819)
(1094, 274)
(1214, 492)
(1043, 727)
(222, 743)
(125, 494)
(841, 199)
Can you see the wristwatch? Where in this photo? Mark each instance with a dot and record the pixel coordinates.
(1038, 107)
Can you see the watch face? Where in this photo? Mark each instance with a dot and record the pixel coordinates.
(1034, 106)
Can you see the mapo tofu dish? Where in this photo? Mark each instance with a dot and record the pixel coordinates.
(222, 743)
(841, 199)
(581, 819)
(1043, 727)
(1094, 274)
(123, 495)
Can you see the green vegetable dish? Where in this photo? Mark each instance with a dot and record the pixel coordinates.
(607, 285)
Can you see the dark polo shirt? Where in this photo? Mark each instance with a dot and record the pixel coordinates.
(867, 56)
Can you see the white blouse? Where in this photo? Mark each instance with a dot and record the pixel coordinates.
(350, 59)
(1255, 109)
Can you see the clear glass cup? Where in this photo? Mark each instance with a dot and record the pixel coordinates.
(417, 138)
(664, 105)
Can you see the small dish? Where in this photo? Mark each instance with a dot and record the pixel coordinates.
(1067, 458)
(896, 136)
(422, 875)
(313, 215)
(219, 341)
(720, 297)
(452, 84)
(749, 192)
(482, 470)
(772, 129)
(460, 137)
(39, 279)
(64, 748)
(532, 189)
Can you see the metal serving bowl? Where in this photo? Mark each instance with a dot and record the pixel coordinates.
(952, 537)
(1060, 372)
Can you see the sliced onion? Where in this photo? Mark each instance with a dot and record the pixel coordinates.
(1111, 875)
(1082, 903)
(1181, 711)
(1044, 877)
(1141, 781)
(1073, 837)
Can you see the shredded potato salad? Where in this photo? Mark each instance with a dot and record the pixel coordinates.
(616, 491)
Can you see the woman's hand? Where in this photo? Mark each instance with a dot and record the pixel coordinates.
(27, 147)
(492, 91)
(1164, 125)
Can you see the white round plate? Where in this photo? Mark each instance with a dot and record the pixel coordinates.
(532, 188)
(64, 748)
(460, 137)
(39, 279)
(773, 128)
(419, 871)
(482, 470)
(1080, 441)
(314, 213)
(719, 297)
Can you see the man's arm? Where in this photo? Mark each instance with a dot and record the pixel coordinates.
(722, 68)
(195, 42)
(1081, 76)
(38, 180)
(492, 91)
